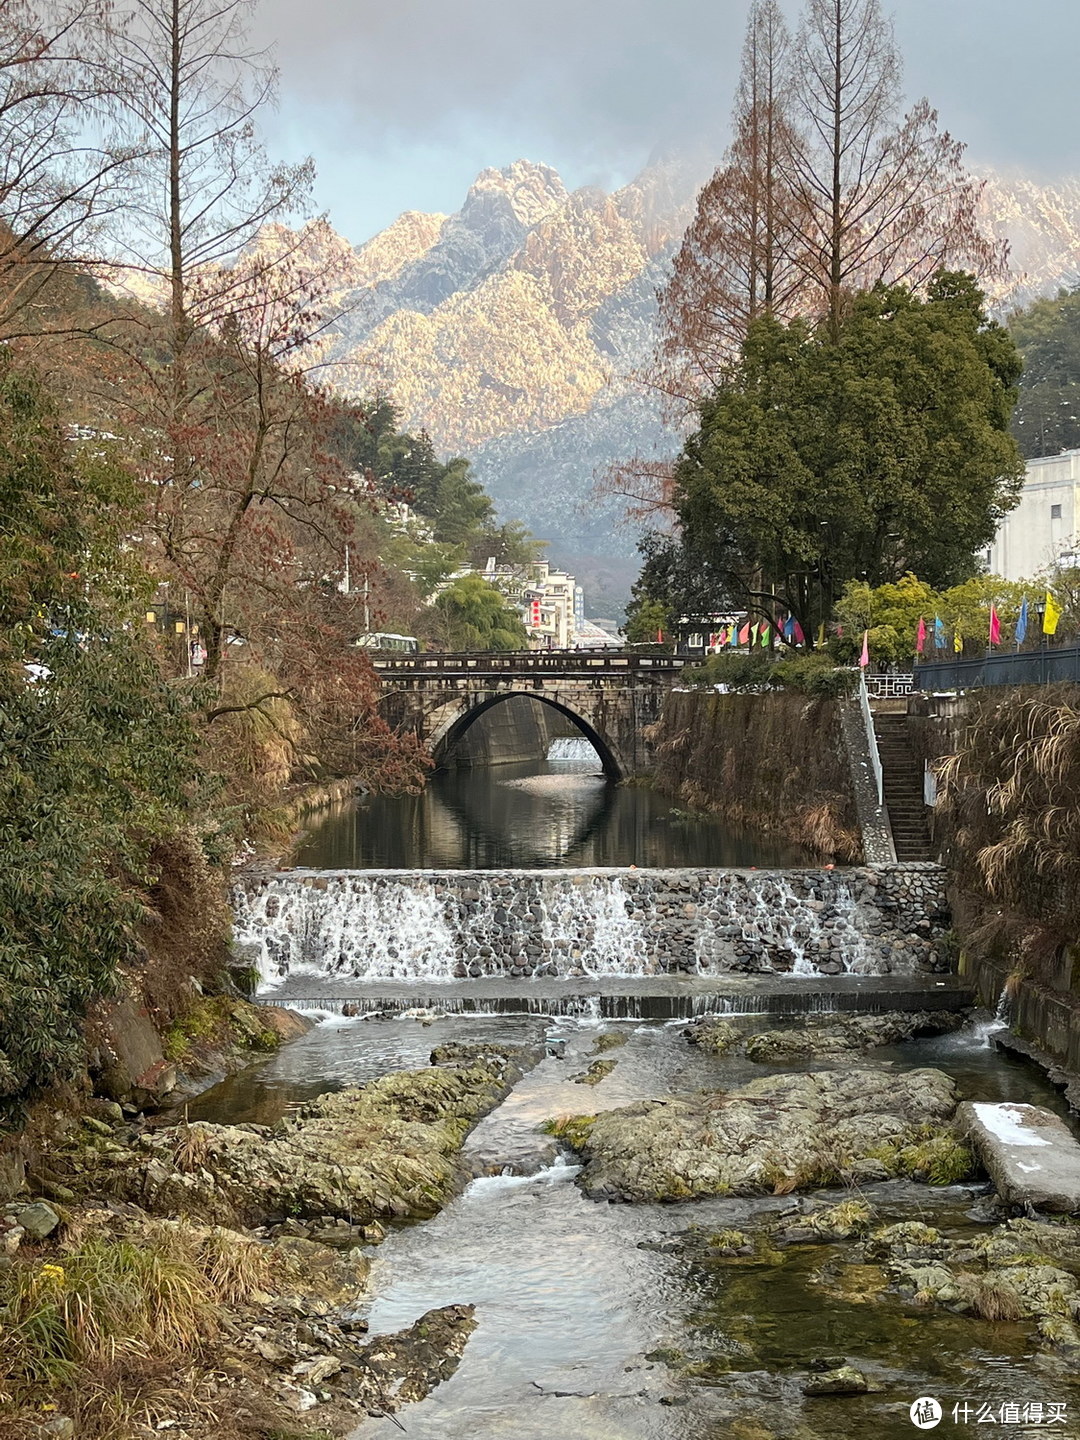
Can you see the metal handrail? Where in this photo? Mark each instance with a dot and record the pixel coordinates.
(871, 738)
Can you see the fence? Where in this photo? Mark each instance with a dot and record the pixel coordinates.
(890, 687)
(523, 662)
(1049, 665)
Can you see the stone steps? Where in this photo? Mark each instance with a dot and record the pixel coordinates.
(902, 785)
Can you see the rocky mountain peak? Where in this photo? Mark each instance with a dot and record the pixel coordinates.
(532, 190)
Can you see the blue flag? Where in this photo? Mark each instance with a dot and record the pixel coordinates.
(939, 634)
(1021, 624)
(789, 628)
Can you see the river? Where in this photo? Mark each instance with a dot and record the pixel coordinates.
(599, 1321)
(612, 1321)
(562, 812)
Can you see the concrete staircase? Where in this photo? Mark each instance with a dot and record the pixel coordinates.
(902, 777)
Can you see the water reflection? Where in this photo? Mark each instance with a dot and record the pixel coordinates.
(562, 812)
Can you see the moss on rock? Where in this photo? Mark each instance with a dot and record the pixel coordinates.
(774, 1135)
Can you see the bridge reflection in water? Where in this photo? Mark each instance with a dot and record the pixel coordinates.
(535, 815)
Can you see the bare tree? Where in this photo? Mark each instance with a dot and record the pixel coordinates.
(732, 266)
(875, 195)
(63, 168)
(192, 88)
(735, 262)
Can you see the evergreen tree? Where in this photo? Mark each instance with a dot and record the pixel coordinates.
(866, 454)
(96, 752)
(1047, 334)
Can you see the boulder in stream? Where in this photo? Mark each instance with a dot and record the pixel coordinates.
(777, 1134)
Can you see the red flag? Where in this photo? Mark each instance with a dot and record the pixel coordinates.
(920, 638)
(800, 638)
(659, 635)
(995, 625)
(864, 658)
(744, 634)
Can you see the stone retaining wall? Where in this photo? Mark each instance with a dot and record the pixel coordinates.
(445, 925)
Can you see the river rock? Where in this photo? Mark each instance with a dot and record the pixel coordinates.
(845, 1380)
(38, 1220)
(823, 1035)
(776, 1134)
(387, 1149)
(1029, 1153)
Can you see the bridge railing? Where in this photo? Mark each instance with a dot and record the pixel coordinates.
(524, 662)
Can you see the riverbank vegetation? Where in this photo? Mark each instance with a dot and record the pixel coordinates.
(1009, 822)
(194, 531)
(142, 1300)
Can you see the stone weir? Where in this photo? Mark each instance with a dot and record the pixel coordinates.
(445, 925)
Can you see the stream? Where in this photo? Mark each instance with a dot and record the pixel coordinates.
(591, 1315)
(470, 914)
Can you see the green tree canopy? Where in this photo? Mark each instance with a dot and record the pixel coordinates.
(881, 452)
(891, 614)
(475, 616)
(1047, 334)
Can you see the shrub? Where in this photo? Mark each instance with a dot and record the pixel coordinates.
(816, 674)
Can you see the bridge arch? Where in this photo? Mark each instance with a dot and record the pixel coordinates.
(454, 726)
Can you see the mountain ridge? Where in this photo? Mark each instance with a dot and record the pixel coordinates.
(511, 330)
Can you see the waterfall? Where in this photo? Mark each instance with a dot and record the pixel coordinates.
(985, 1030)
(440, 926)
(575, 748)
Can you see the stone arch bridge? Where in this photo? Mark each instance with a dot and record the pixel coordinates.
(610, 695)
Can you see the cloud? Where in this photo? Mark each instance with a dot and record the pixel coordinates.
(406, 97)
(595, 75)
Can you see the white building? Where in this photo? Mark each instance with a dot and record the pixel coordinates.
(544, 595)
(1044, 525)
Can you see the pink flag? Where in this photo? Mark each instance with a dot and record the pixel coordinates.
(995, 625)
(920, 638)
(800, 638)
(744, 634)
(864, 658)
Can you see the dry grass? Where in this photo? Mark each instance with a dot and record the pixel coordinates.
(1010, 798)
(741, 747)
(990, 1298)
(106, 1327)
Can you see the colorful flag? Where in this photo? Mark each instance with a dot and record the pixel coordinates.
(789, 628)
(1051, 615)
(1021, 624)
(797, 631)
(754, 628)
(744, 634)
(659, 635)
(920, 637)
(958, 641)
(939, 633)
(864, 658)
(995, 625)
(821, 636)
(764, 636)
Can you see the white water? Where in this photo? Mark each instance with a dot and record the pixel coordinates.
(575, 748)
(985, 1030)
(436, 927)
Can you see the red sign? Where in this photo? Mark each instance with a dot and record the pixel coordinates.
(535, 620)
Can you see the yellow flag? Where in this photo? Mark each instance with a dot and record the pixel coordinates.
(1051, 615)
(958, 641)
(821, 636)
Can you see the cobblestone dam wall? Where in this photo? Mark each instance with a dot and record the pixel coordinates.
(454, 925)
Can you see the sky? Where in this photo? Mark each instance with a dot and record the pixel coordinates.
(403, 102)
